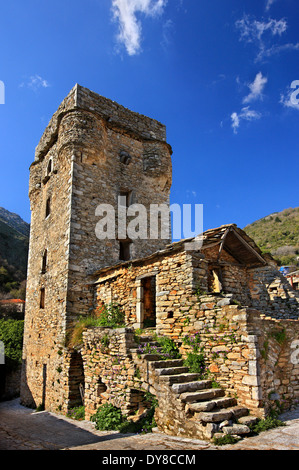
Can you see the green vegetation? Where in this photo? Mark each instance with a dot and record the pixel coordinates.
(227, 439)
(165, 349)
(11, 334)
(278, 234)
(78, 413)
(14, 243)
(108, 316)
(196, 364)
(265, 424)
(109, 417)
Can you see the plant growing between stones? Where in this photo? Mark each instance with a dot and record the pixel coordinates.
(109, 417)
(107, 316)
(78, 413)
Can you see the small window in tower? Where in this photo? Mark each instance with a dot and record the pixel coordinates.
(42, 298)
(49, 168)
(125, 250)
(48, 207)
(44, 263)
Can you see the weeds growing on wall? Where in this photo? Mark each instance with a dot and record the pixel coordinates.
(165, 349)
(108, 316)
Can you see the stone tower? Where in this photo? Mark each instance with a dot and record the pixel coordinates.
(92, 152)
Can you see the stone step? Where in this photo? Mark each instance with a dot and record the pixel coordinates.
(207, 394)
(172, 370)
(223, 402)
(224, 414)
(191, 386)
(215, 416)
(161, 364)
(179, 378)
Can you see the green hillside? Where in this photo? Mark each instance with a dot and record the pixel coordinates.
(14, 242)
(278, 234)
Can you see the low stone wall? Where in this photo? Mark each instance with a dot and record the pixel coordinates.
(277, 362)
(109, 371)
(252, 357)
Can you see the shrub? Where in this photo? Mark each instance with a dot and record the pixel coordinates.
(196, 364)
(111, 316)
(78, 413)
(222, 441)
(266, 424)
(107, 418)
(108, 316)
(166, 348)
(11, 333)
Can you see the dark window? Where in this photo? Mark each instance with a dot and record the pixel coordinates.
(49, 168)
(42, 298)
(124, 250)
(44, 264)
(48, 207)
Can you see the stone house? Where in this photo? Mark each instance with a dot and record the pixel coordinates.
(227, 294)
(13, 305)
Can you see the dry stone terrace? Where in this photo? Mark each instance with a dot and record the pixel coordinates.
(226, 298)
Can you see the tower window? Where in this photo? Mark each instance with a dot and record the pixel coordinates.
(44, 263)
(49, 168)
(125, 250)
(48, 207)
(42, 298)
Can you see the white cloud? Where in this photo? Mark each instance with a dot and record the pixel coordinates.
(235, 122)
(277, 49)
(35, 82)
(124, 12)
(256, 88)
(246, 114)
(261, 34)
(252, 30)
(269, 4)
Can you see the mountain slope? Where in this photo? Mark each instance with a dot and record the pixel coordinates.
(278, 233)
(14, 221)
(14, 243)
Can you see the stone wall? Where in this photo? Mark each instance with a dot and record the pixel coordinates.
(174, 274)
(92, 150)
(277, 360)
(109, 371)
(272, 294)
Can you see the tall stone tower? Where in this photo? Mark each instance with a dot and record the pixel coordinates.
(92, 152)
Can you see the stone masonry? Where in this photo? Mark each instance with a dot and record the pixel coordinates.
(92, 151)
(227, 295)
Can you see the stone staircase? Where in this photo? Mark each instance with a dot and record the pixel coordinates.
(188, 406)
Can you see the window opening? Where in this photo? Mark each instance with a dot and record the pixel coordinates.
(48, 207)
(125, 250)
(42, 298)
(44, 263)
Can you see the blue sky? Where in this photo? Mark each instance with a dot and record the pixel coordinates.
(218, 74)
